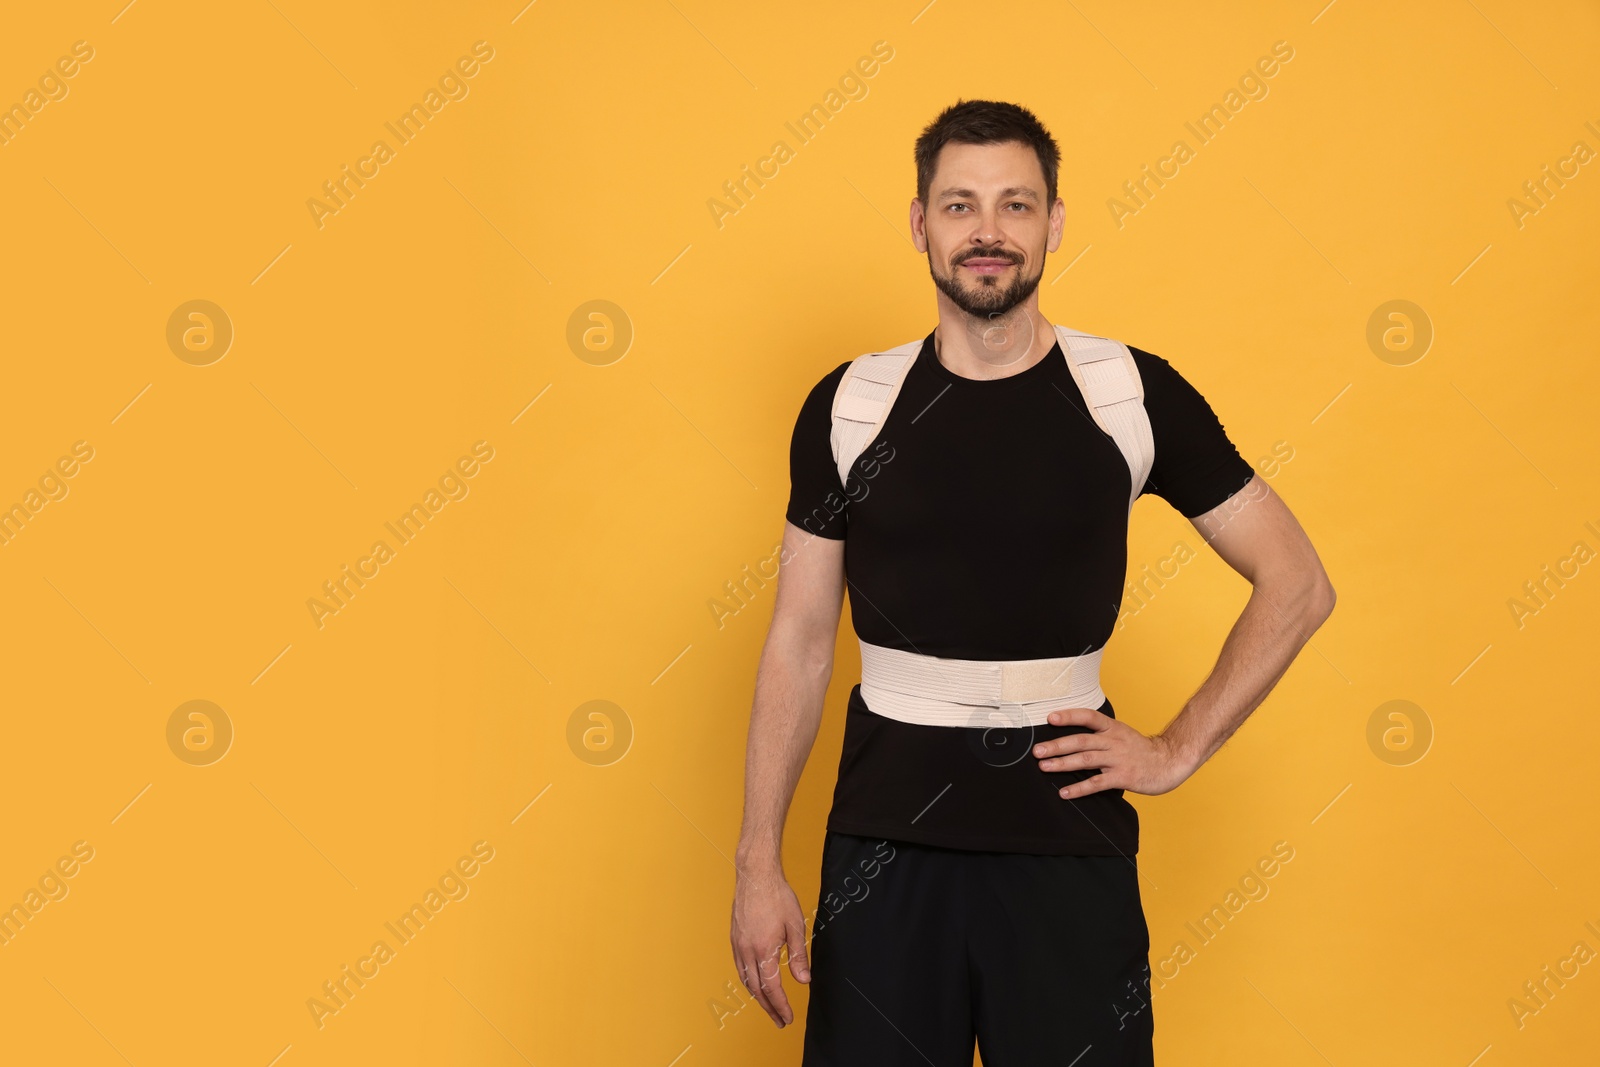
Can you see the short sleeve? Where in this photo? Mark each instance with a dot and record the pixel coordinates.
(817, 503)
(1196, 466)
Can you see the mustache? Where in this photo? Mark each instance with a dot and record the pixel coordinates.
(1011, 257)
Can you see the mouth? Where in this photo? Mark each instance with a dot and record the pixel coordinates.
(987, 266)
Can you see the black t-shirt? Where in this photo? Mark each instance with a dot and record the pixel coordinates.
(989, 520)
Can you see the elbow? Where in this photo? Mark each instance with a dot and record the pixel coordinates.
(814, 657)
(820, 666)
(1305, 595)
(1322, 598)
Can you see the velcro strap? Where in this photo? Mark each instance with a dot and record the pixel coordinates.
(1112, 388)
(881, 369)
(1093, 350)
(859, 408)
(1023, 680)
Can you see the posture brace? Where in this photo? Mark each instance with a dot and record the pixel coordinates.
(940, 691)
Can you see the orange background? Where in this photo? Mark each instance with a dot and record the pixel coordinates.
(638, 468)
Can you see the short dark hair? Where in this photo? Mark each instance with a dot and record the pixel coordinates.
(986, 122)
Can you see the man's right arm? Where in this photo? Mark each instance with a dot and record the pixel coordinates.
(791, 682)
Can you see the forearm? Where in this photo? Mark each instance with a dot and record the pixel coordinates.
(791, 682)
(1275, 625)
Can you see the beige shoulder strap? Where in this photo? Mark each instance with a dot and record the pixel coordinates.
(1108, 378)
(861, 404)
(1104, 369)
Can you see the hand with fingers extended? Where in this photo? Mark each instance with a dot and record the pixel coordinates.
(767, 917)
(1126, 758)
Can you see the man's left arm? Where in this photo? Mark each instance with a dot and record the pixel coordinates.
(1291, 596)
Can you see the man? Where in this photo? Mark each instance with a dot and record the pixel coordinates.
(979, 877)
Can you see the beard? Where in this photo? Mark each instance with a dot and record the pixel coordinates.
(984, 296)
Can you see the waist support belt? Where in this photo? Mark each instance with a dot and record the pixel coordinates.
(936, 691)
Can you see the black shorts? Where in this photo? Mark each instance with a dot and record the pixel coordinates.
(918, 950)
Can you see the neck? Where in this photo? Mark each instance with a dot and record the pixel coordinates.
(981, 348)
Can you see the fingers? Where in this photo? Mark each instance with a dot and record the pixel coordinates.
(1068, 749)
(770, 974)
(1078, 717)
(1098, 725)
(1093, 759)
(1089, 785)
(1078, 752)
(799, 965)
(750, 975)
(767, 918)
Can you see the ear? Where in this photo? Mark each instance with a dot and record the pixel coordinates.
(919, 219)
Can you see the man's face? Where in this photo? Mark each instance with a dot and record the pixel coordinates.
(987, 226)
